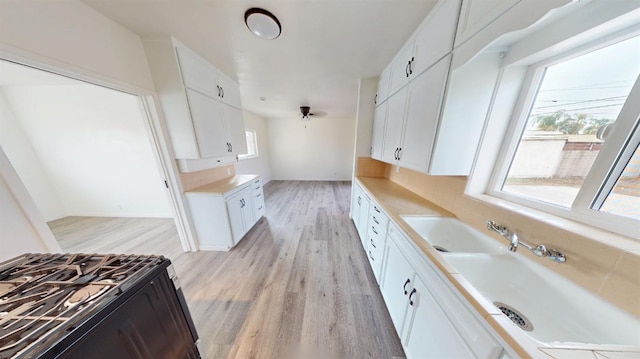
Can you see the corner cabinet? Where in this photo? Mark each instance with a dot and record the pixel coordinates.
(223, 212)
(201, 105)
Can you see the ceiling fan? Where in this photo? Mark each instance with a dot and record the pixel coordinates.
(306, 114)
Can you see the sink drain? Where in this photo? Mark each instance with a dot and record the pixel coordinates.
(516, 317)
(440, 249)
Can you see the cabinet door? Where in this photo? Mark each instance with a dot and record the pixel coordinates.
(399, 75)
(377, 140)
(434, 39)
(477, 14)
(356, 192)
(428, 333)
(423, 113)
(230, 93)
(209, 124)
(235, 129)
(363, 217)
(247, 207)
(393, 127)
(235, 207)
(196, 73)
(397, 281)
(383, 86)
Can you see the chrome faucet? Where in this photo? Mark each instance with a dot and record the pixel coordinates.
(540, 250)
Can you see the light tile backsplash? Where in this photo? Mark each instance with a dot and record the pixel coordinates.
(196, 179)
(612, 272)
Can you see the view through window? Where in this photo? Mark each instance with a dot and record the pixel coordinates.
(576, 102)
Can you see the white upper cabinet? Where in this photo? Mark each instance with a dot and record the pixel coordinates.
(229, 90)
(208, 118)
(197, 74)
(383, 86)
(477, 14)
(400, 68)
(431, 41)
(434, 38)
(379, 120)
(201, 105)
(392, 136)
(423, 114)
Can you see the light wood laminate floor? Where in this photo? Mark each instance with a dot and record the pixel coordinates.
(298, 283)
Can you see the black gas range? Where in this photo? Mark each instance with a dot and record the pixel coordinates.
(93, 306)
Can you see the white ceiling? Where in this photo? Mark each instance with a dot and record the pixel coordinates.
(326, 46)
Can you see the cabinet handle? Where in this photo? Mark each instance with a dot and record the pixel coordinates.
(259, 194)
(370, 256)
(405, 286)
(399, 153)
(375, 220)
(359, 200)
(372, 243)
(257, 181)
(230, 144)
(222, 90)
(411, 296)
(259, 208)
(395, 154)
(374, 230)
(375, 208)
(375, 100)
(406, 68)
(410, 70)
(218, 87)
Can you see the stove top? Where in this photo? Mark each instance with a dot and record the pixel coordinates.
(44, 296)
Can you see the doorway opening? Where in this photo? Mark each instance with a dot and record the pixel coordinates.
(86, 155)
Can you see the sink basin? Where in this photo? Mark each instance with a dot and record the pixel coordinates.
(557, 309)
(451, 235)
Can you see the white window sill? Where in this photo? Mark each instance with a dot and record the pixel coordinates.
(593, 233)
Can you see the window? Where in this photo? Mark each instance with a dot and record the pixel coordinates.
(577, 150)
(252, 145)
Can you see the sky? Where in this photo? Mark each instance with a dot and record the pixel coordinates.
(596, 83)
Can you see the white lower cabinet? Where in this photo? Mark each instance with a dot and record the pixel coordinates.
(430, 318)
(240, 207)
(397, 282)
(222, 219)
(360, 211)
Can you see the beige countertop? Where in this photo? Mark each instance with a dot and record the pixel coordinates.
(223, 186)
(397, 200)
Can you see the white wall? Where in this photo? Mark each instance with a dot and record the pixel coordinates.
(72, 37)
(93, 147)
(261, 164)
(322, 151)
(364, 119)
(22, 229)
(26, 163)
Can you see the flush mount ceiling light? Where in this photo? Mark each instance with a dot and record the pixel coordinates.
(262, 23)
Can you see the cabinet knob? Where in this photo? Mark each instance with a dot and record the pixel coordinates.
(405, 286)
(411, 296)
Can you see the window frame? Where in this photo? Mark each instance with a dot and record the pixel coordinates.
(609, 164)
(255, 146)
